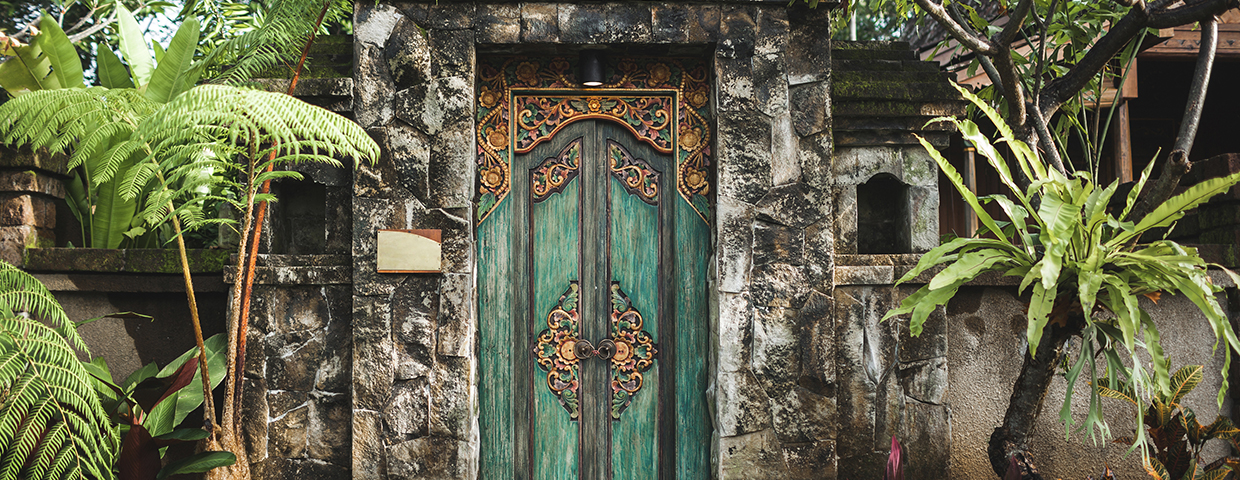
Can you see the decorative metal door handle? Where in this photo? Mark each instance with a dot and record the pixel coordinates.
(582, 348)
(606, 349)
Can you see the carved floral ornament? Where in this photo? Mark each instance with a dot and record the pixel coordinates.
(523, 101)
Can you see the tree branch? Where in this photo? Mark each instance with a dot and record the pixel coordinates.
(1177, 162)
(957, 31)
(1015, 20)
(1064, 88)
(1014, 89)
(1045, 140)
(100, 25)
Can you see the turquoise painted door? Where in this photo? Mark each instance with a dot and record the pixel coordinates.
(592, 294)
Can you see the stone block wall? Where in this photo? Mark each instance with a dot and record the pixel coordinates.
(30, 186)
(415, 386)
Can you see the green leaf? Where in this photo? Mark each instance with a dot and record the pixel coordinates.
(1185, 380)
(66, 65)
(969, 266)
(113, 213)
(198, 463)
(1039, 315)
(185, 435)
(1175, 207)
(133, 47)
(170, 76)
(112, 73)
(968, 196)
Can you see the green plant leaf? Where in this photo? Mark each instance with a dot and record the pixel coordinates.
(66, 65)
(968, 196)
(1175, 207)
(133, 47)
(197, 463)
(170, 76)
(112, 213)
(1185, 380)
(112, 73)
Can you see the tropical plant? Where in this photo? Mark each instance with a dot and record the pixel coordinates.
(149, 405)
(1084, 267)
(235, 132)
(1176, 436)
(52, 424)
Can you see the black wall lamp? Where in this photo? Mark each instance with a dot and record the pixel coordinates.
(591, 68)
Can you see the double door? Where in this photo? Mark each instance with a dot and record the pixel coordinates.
(592, 304)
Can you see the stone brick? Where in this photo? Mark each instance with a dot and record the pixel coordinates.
(452, 15)
(776, 359)
(774, 243)
(809, 45)
(926, 439)
(381, 179)
(292, 358)
(785, 161)
(23, 158)
(737, 31)
(744, 156)
(757, 455)
(779, 285)
(406, 413)
(814, 155)
(770, 80)
(298, 469)
(735, 332)
(289, 423)
(409, 151)
(254, 416)
(670, 22)
(415, 308)
(431, 458)
(373, 24)
(408, 55)
(795, 205)
(450, 413)
(372, 98)
(539, 23)
(498, 23)
(329, 428)
(604, 23)
(14, 241)
(772, 34)
(811, 460)
(743, 405)
(811, 113)
(925, 380)
(27, 209)
(456, 319)
(373, 354)
(452, 53)
(818, 344)
(736, 243)
(30, 181)
(368, 452)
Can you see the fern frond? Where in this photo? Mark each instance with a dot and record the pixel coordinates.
(52, 424)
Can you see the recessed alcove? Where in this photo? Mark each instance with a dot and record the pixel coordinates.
(882, 216)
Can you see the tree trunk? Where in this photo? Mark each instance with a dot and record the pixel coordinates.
(1028, 394)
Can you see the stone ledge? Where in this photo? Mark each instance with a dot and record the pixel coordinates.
(865, 260)
(135, 260)
(314, 275)
(128, 283)
(309, 260)
(864, 275)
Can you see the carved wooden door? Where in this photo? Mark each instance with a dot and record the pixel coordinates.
(592, 293)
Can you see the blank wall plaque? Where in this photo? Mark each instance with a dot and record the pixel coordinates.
(409, 251)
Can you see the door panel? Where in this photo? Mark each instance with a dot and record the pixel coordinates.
(592, 250)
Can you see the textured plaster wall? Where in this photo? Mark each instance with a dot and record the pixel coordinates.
(985, 331)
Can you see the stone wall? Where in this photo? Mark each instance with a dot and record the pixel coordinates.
(415, 387)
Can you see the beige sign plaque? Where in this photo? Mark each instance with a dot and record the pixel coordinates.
(409, 251)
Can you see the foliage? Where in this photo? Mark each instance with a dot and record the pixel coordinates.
(108, 218)
(265, 36)
(1082, 263)
(52, 424)
(1176, 436)
(151, 402)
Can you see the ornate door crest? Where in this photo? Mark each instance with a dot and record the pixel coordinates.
(523, 101)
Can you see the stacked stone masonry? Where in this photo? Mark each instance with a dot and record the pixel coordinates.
(415, 387)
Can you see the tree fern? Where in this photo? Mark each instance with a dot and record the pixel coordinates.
(52, 424)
